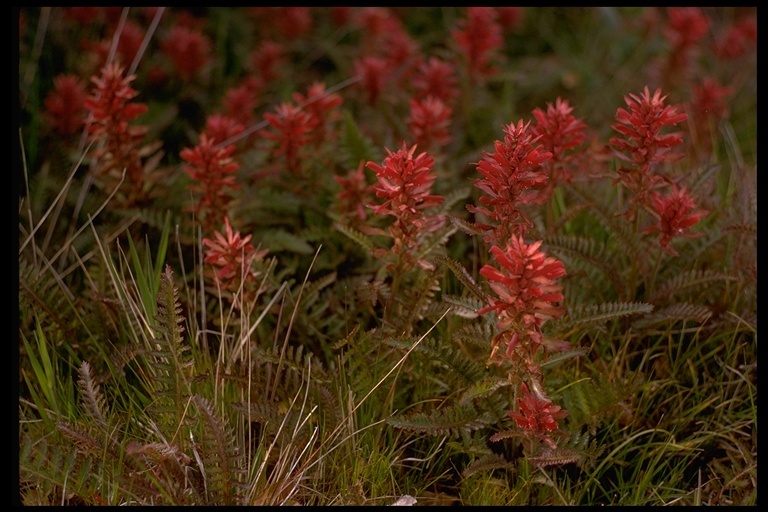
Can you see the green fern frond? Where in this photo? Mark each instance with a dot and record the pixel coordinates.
(449, 357)
(451, 420)
(589, 400)
(279, 240)
(465, 307)
(356, 236)
(587, 250)
(462, 275)
(433, 242)
(487, 462)
(172, 361)
(483, 388)
(689, 279)
(355, 146)
(220, 455)
(578, 449)
(594, 314)
(478, 334)
(677, 312)
(452, 198)
(466, 227)
(91, 396)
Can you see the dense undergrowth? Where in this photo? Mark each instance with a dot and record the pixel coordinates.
(360, 255)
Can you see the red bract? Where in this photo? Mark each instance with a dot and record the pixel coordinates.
(739, 38)
(374, 73)
(686, 26)
(291, 128)
(212, 171)
(512, 177)
(240, 102)
(675, 213)
(537, 415)
(323, 107)
(229, 253)
(111, 111)
(404, 182)
(268, 60)
(355, 194)
(525, 285)
(559, 131)
(643, 143)
(65, 105)
(436, 78)
(429, 122)
(478, 38)
(220, 128)
(293, 22)
(188, 49)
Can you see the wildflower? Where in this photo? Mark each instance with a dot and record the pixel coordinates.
(374, 73)
(188, 49)
(291, 128)
(686, 26)
(559, 132)
(212, 171)
(738, 39)
(293, 22)
(512, 177)
(236, 263)
(478, 38)
(323, 108)
(65, 105)
(404, 182)
(537, 415)
(219, 128)
(642, 142)
(436, 78)
(355, 193)
(511, 18)
(675, 214)
(111, 110)
(240, 102)
(428, 123)
(524, 284)
(268, 59)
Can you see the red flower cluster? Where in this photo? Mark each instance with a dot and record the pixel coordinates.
(559, 131)
(436, 78)
(512, 177)
(374, 73)
(354, 195)
(212, 171)
(642, 141)
(738, 40)
(111, 110)
(479, 39)
(188, 49)
(65, 105)
(234, 259)
(404, 182)
(268, 59)
(675, 213)
(537, 415)
(291, 128)
(429, 123)
(525, 285)
(322, 106)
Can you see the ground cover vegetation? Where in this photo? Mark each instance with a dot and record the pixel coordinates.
(367, 255)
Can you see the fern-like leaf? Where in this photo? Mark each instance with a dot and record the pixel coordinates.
(677, 312)
(450, 420)
(687, 280)
(355, 146)
(595, 314)
(91, 396)
(356, 236)
(462, 275)
(483, 388)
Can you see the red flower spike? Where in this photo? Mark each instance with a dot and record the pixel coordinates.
(220, 128)
(374, 73)
(512, 177)
(537, 415)
(404, 182)
(212, 171)
(525, 285)
(189, 50)
(230, 253)
(429, 122)
(291, 128)
(559, 131)
(643, 143)
(479, 39)
(355, 194)
(675, 213)
(268, 60)
(65, 105)
(323, 107)
(436, 78)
